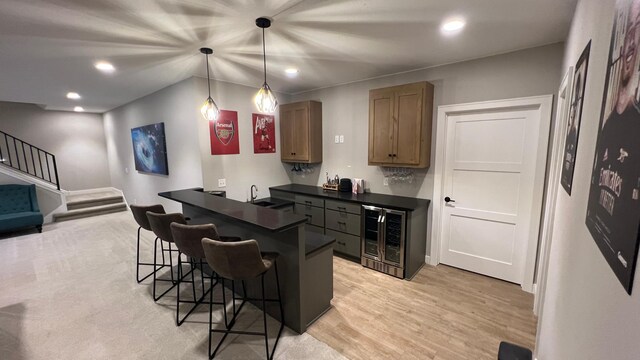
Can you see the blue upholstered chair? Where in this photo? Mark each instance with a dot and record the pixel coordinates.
(19, 208)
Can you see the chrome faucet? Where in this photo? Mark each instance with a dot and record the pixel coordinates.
(253, 197)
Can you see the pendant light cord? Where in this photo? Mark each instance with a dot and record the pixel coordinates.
(264, 57)
(208, 79)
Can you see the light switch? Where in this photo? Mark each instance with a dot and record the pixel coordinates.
(341, 139)
(337, 139)
(222, 183)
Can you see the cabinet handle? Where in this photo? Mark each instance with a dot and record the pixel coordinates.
(342, 223)
(390, 155)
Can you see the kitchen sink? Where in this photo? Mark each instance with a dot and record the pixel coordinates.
(264, 203)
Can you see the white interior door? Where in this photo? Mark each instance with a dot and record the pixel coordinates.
(489, 172)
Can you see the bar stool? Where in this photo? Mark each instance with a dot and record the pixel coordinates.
(241, 260)
(140, 216)
(188, 240)
(161, 226)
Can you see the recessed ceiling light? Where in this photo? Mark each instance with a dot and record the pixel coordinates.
(78, 109)
(105, 67)
(453, 25)
(292, 71)
(73, 95)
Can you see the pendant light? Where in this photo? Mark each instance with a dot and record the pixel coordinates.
(265, 98)
(209, 109)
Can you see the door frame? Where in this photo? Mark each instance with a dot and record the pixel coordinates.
(553, 184)
(541, 103)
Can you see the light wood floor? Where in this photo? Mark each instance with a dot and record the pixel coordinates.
(443, 313)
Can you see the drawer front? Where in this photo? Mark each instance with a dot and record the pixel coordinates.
(342, 221)
(314, 214)
(345, 243)
(343, 206)
(309, 201)
(317, 229)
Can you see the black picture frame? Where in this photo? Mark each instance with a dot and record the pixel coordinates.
(150, 149)
(613, 208)
(575, 116)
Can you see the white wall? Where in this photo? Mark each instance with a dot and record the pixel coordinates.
(345, 109)
(188, 146)
(76, 139)
(587, 314)
(176, 107)
(244, 169)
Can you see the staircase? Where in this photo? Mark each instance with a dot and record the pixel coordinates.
(84, 204)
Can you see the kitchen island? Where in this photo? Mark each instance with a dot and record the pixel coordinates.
(305, 263)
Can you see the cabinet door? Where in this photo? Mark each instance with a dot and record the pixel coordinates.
(286, 133)
(408, 131)
(381, 144)
(301, 133)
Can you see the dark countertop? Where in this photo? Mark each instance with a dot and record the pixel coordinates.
(383, 200)
(269, 219)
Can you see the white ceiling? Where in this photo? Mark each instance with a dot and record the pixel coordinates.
(48, 47)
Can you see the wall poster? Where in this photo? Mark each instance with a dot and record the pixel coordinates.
(224, 134)
(575, 115)
(613, 210)
(150, 149)
(264, 134)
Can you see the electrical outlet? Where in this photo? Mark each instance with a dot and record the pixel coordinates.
(341, 139)
(337, 140)
(222, 183)
(385, 182)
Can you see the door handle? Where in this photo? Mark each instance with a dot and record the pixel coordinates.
(448, 199)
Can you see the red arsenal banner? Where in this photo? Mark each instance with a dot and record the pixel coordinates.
(224, 134)
(264, 134)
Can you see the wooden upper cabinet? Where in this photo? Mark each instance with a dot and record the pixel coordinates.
(400, 125)
(301, 132)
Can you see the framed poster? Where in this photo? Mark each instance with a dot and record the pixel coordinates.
(264, 134)
(575, 115)
(224, 134)
(613, 208)
(150, 149)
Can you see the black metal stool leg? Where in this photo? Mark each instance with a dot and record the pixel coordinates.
(138, 257)
(155, 252)
(178, 290)
(193, 280)
(264, 317)
(211, 314)
(171, 264)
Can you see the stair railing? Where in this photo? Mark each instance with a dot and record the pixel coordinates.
(26, 158)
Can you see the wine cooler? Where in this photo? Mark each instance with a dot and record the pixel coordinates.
(383, 240)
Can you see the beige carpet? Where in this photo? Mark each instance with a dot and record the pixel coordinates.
(70, 293)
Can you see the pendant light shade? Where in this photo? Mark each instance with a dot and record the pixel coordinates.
(265, 98)
(209, 109)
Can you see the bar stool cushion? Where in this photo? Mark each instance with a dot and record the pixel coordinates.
(140, 214)
(188, 238)
(161, 224)
(239, 260)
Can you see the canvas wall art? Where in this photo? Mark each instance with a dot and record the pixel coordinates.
(150, 149)
(613, 209)
(575, 115)
(264, 134)
(224, 134)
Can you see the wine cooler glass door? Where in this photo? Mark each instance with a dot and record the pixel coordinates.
(393, 238)
(371, 236)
